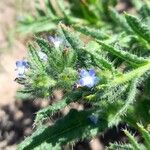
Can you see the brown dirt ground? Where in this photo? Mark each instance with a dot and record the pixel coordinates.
(8, 54)
(8, 57)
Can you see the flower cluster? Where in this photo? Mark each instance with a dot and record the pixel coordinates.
(88, 78)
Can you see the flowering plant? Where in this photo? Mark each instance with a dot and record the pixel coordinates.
(107, 71)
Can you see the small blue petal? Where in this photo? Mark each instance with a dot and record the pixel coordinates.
(58, 39)
(22, 63)
(20, 75)
(84, 73)
(19, 63)
(22, 66)
(90, 85)
(96, 80)
(51, 38)
(93, 119)
(81, 82)
(92, 72)
(25, 64)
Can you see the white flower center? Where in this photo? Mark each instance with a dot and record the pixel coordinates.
(88, 80)
(57, 43)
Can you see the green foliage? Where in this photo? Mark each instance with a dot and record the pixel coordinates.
(52, 109)
(140, 29)
(134, 143)
(119, 19)
(68, 129)
(95, 33)
(126, 56)
(120, 58)
(91, 12)
(116, 146)
(129, 101)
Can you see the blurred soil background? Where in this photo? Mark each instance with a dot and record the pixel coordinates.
(11, 125)
(16, 117)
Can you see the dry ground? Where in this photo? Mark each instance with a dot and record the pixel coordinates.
(8, 54)
(8, 57)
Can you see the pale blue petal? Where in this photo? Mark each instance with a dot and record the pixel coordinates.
(96, 80)
(22, 63)
(92, 72)
(84, 73)
(25, 64)
(51, 38)
(19, 64)
(81, 82)
(21, 71)
(93, 119)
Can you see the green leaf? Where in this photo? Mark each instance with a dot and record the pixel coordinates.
(134, 144)
(125, 55)
(127, 77)
(52, 109)
(101, 60)
(89, 31)
(50, 9)
(38, 8)
(62, 8)
(76, 44)
(44, 145)
(145, 134)
(138, 27)
(34, 58)
(72, 127)
(120, 20)
(43, 44)
(36, 26)
(117, 146)
(132, 140)
(127, 103)
(145, 11)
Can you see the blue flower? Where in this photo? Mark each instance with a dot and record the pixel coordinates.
(22, 66)
(88, 78)
(93, 119)
(42, 56)
(57, 41)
